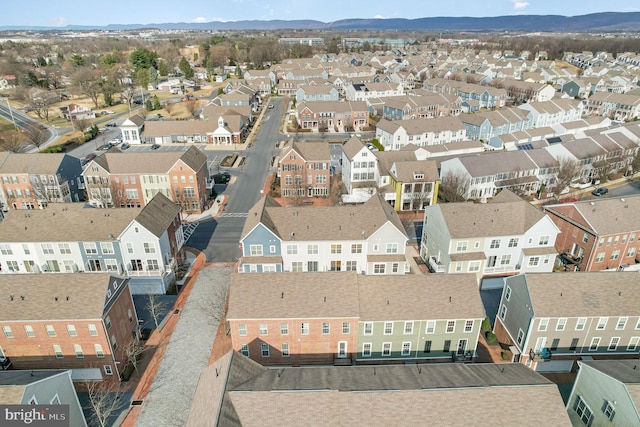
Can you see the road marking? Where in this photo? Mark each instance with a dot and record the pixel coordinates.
(188, 229)
(233, 215)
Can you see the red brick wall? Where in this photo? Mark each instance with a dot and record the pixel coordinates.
(121, 326)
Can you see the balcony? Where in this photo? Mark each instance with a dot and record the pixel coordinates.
(502, 268)
(435, 266)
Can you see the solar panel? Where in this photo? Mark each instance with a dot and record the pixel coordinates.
(554, 140)
(525, 147)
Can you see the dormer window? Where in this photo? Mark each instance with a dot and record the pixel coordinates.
(418, 176)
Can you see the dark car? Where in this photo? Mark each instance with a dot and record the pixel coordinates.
(600, 191)
(124, 146)
(90, 157)
(155, 146)
(221, 178)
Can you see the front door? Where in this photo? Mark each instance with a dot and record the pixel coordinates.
(540, 343)
(94, 265)
(342, 349)
(462, 347)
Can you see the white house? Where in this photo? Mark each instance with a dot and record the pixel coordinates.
(131, 129)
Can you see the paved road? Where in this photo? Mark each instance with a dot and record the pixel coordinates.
(22, 120)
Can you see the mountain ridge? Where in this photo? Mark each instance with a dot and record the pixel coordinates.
(594, 22)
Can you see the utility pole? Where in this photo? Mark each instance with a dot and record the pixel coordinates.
(13, 120)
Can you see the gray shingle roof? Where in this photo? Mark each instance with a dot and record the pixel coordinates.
(37, 163)
(116, 162)
(158, 214)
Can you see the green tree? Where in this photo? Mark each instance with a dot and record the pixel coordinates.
(153, 76)
(185, 68)
(148, 105)
(109, 60)
(142, 77)
(163, 69)
(77, 60)
(156, 103)
(143, 58)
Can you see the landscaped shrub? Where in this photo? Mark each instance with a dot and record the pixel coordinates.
(486, 325)
(504, 355)
(491, 337)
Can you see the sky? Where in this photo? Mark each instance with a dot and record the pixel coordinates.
(99, 13)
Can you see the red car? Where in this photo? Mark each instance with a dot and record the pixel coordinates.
(90, 157)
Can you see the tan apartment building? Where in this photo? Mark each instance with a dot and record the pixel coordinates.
(305, 169)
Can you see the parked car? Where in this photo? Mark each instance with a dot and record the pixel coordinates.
(90, 157)
(155, 146)
(600, 191)
(270, 106)
(221, 178)
(124, 146)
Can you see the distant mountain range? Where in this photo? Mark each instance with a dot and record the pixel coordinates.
(595, 22)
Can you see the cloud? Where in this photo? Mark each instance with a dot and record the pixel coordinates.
(378, 17)
(519, 4)
(58, 21)
(200, 19)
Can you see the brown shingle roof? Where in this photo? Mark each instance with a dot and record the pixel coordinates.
(37, 163)
(158, 214)
(150, 163)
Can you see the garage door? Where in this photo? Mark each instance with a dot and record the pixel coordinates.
(555, 366)
(492, 283)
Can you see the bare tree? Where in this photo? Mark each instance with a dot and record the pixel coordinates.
(168, 106)
(127, 94)
(568, 170)
(601, 167)
(156, 308)
(634, 162)
(104, 401)
(88, 82)
(133, 350)
(454, 187)
(191, 107)
(12, 141)
(36, 134)
(39, 101)
(214, 303)
(81, 124)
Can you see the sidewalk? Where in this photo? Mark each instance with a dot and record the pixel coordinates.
(214, 210)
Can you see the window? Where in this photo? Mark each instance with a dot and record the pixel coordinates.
(55, 400)
(77, 349)
(468, 326)
(388, 328)
(562, 322)
(107, 248)
(613, 344)
(392, 248)
(57, 350)
(386, 349)
(342, 349)
(352, 266)
(615, 254)
(595, 342)
(408, 328)
(622, 322)
(631, 252)
(130, 315)
(356, 248)
(312, 249)
(284, 329)
(520, 336)
(28, 329)
(5, 249)
(507, 293)
(47, 248)
(505, 259)
(108, 322)
(114, 343)
(431, 326)
(296, 266)
(585, 238)
(513, 242)
(461, 246)
(534, 261)
(542, 326)
(265, 349)
(503, 312)
(325, 328)
(149, 248)
(601, 242)
(609, 411)
(406, 348)
(368, 328)
(336, 249)
(305, 328)
(64, 248)
(544, 240)
(379, 268)
(366, 349)
(451, 325)
(600, 257)
(427, 347)
(574, 344)
(583, 411)
(346, 327)
(580, 323)
(633, 344)
(244, 349)
(292, 250)
(90, 248)
(375, 247)
(255, 250)
(602, 323)
(263, 329)
(554, 344)
(495, 244)
(98, 349)
(50, 330)
(474, 266)
(447, 346)
(285, 349)
(312, 265)
(72, 330)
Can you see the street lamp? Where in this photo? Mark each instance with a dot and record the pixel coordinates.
(10, 111)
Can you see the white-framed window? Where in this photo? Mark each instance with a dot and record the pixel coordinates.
(379, 268)
(114, 343)
(255, 250)
(98, 349)
(495, 244)
(544, 240)
(513, 242)
(580, 323)
(342, 349)
(392, 248)
(356, 248)
(50, 330)
(542, 326)
(520, 336)
(312, 249)
(602, 323)
(336, 248)
(296, 266)
(386, 349)
(28, 330)
(55, 400)
(47, 248)
(560, 325)
(71, 329)
(388, 328)
(462, 246)
(285, 349)
(108, 370)
(326, 328)
(263, 329)
(613, 344)
(304, 326)
(284, 329)
(244, 349)
(346, 327)
(366, 349)
(468, 326)
(609, 411)
(90, 248)
(406, 348)
(242, 329)
(622, 323)
(5, 249)
(505, 259)
(507, 293)
(64, 248)
(292, 250)
(474, 266)
(600, 257)
(264, 348)
(633, 343)
(534, 261)
(368, 328)
(149, 247)
(583, 411)
(451, 326)
(107, 320)
(615, 254)
(57, 350)
(503, 311)
(431, 326)
(77, 349)
(408, 328)
(107, 248)
(595, 342)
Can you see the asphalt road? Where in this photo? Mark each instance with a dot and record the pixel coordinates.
(22, 120)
